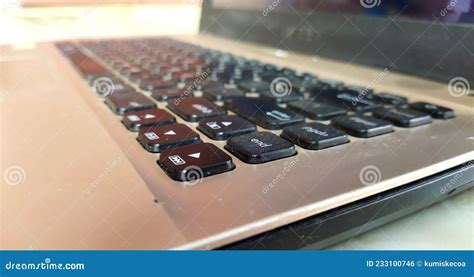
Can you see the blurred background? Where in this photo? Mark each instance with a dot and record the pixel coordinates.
(29, 21)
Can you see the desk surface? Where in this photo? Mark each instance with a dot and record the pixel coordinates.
(446, 225)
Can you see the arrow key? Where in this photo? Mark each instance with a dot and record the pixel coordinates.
(134, 121)
(156, 139)
(192, 162)
(224, 127)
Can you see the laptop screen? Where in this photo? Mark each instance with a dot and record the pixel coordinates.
(452, 11)
(429, 38)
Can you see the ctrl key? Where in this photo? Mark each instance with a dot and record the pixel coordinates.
(192, 162)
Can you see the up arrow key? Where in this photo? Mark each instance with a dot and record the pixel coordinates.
(195, 155)
(148, 116)
(170, 133)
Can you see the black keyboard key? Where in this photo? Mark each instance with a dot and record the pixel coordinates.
(390, 99)
(156, 139)
(211, 86)
(134, 121)
(194, 109)
(359, 90)
(403, 117)
(121, 103)
(254, 86)
(225, 126)
(317, 111)
(433, 110)
(260, 147)
(193, 162)
(297, 82)
(363, 126)
(314, 135)
(284, 98)
(263, 112)
(269, 75)
(348, 99)
(166, 94)
(303, 84)
(323, 84)
(221, 94)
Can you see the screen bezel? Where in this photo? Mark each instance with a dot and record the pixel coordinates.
(429, 49)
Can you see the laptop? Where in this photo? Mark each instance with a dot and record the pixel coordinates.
(281, 125)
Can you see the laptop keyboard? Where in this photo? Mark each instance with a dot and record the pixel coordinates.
(204, 85)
